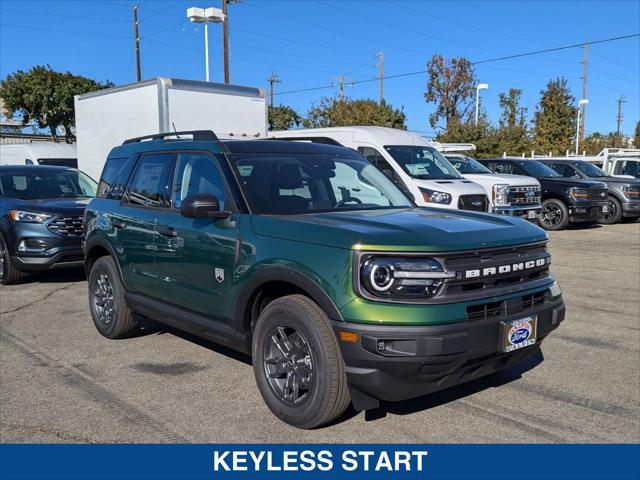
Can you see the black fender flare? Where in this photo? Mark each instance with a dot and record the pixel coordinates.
(99, 241)
(282, 274)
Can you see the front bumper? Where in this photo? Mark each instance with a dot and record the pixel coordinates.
(631, 209)
(587, 213)
(417, 360)
(525, 212)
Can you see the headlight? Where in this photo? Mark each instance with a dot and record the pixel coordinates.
(579, 193)
(632, 193)
(31, 217)
(432, 196)
(500, 194)
(398, 278)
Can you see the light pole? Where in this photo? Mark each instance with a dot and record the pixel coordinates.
(481, 86)
(205, 15)
(582, 102)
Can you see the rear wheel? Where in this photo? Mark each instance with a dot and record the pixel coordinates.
(109, 311)
(614, 212)
(554, 215)
(297, 363)
(8, 273)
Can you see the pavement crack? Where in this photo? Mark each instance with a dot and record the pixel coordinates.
(38, 300)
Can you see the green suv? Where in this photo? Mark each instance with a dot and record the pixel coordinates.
(311, 260)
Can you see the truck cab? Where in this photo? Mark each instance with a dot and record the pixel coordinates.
(414, 164)
(514, 195)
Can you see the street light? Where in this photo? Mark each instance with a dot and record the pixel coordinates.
(206, 16)
(582, 102)
(481, 86)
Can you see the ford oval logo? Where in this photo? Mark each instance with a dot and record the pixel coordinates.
(520, 335)
(530, 193)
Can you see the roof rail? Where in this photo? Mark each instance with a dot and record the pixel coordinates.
(205, 135)
(310, 139)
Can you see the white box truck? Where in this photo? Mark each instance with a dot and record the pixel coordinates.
(104, 119)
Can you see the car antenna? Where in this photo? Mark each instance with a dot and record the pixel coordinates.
(175, 130)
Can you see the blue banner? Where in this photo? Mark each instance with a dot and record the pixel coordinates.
(335, 462)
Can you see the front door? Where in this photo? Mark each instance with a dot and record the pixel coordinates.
(134, 221)
(195, 258)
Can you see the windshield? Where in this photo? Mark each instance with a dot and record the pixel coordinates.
(422, 162)
(467, 165)
(303, 183)
(589, 169)
(537, 169)
(32, 185)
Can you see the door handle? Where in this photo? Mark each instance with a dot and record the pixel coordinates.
(118, 223)
(168, 231)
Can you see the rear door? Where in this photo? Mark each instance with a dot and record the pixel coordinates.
(195, 258)
(134, 220)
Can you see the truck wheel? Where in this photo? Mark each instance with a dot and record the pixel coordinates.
(554, 215)
(614, 212)
(297, 363)
(8, 273)
(109, 311)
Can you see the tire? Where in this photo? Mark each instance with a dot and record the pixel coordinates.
(8, 273)
(554, 215)
(109, 311)
(294, 344)
(614, 214)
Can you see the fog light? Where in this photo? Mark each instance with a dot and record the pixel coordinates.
(32, 245)
(381, 345)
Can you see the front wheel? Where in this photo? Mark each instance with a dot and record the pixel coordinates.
(297, 363)
(109, 311)
(554, 215)
(614, 212)
(8, 273)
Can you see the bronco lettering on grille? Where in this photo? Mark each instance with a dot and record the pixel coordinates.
(502, 269)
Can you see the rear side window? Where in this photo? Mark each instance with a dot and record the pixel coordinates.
(150, 181)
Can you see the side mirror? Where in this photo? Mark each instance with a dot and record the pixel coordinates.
(202, 205)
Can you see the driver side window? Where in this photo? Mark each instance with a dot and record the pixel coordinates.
(197, 173)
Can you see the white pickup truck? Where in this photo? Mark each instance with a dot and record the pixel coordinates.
(514, 195)
(412, 162)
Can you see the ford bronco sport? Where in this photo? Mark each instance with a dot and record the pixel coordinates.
(311, 260)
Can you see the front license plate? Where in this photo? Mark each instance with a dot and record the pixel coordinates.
(605, 209)
(531, 214)
(519, 333)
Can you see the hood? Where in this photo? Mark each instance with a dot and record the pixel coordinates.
(501, 178)
(56, 206)
(571, 182)
(618, 181)
(411, 229)
(454, 186)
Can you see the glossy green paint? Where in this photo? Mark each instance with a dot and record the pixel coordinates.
(181, 269)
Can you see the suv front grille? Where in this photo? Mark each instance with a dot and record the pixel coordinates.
(67, 226)
(476, 203)
(523, 304)
(494, 258)
(597, 194)
(526, 195)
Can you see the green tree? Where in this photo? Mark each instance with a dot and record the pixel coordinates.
(283, 118)
(636, 136)
(554, 124)
(333, 112)
(513, 134)
(451, 86)
(483, 135)
(43, 95)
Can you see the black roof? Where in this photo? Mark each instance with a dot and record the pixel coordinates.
(35, 168)
(284, 146)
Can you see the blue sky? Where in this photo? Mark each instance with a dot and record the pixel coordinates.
(310, 43)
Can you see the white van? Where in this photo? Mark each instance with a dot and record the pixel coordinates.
(40, 153)
(412, 162)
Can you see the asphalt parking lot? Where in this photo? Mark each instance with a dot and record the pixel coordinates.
(60, 381)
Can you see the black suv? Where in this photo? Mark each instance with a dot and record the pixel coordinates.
(563, 200)
(41, 209)
(624, 193)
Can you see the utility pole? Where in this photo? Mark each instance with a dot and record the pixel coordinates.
(380, 64)
(584, 90)
(619, 119)
(341, 84)
(225, 40)
(272, 79)
(137, 37)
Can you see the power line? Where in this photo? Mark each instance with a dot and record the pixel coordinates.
(479, 62)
